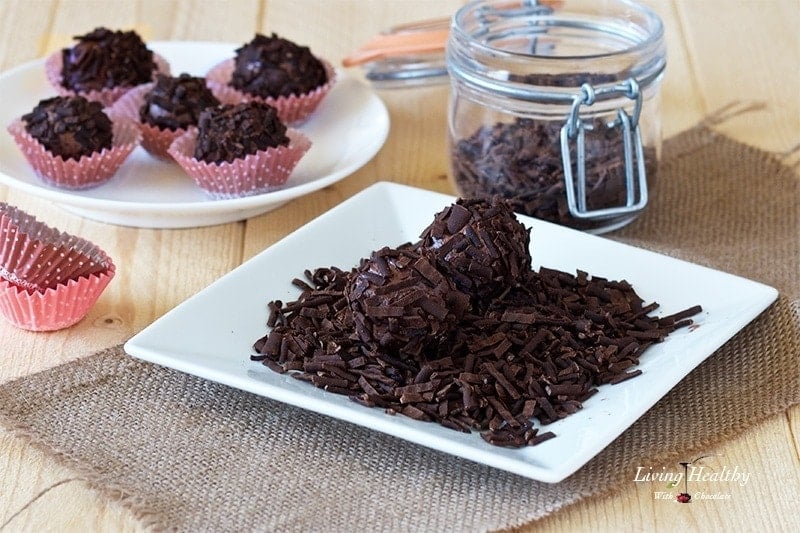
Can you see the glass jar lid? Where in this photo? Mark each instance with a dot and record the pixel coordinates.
(546, 38)
(574, 63)
(542, 52)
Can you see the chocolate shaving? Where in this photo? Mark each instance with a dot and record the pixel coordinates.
(398, 332)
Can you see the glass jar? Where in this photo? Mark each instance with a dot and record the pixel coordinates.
(555, 106)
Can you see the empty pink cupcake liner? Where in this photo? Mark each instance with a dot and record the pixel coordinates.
(88, 171)
(54, 308)
(54, 64)
(293, 109)
(154, 139)
(256, 173)
(35, 256)
(157, 140)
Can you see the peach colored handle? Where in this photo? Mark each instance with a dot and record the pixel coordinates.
(414, 38)
(397, 44)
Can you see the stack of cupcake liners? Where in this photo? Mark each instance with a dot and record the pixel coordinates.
(48, 279)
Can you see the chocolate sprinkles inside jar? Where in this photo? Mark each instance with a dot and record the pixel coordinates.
(555, 107)
(521, 161)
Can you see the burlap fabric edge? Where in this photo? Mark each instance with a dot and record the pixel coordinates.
(95, 480)
(141, 510)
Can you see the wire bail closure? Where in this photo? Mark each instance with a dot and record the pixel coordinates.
(575, 130)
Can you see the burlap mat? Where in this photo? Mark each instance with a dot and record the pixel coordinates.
(193, 455)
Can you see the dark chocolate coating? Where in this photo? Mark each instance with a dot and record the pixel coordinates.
(480, 245)
(233, 131)
(402, 304)
(273, 67)
(103, 59)
(70, 126)
(176, 103)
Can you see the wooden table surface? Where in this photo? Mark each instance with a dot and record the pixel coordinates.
(720, 51)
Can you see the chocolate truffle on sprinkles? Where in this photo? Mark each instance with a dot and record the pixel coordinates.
(402, 333)
(402, 304)
(480, 245)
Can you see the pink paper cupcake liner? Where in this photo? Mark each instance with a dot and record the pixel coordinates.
(88, 171)
(254, 174)
(35, 256)
(54, 64)
(154, 139)
(157, 140)
(293, 109)
(54, 308)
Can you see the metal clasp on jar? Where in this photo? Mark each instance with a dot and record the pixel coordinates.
(575, 130)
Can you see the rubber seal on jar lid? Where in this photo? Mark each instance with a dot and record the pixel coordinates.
(409, 71)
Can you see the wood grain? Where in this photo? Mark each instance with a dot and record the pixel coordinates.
(719, 51)
(763, 67)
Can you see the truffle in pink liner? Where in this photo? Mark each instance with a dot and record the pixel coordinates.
(48, 279)
(165, 109)
(275, 71)
(71, 143)
(239, 150)
(103, 65)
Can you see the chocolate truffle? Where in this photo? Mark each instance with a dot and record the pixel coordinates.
(69, 126)
(402, 304)
(480, 245)
(273, 67)
(176, 103)
(103, 59)
(234, 131)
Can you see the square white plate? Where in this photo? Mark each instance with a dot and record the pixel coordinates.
(211, 334)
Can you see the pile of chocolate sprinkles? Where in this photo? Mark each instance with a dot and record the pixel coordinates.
(395, 333)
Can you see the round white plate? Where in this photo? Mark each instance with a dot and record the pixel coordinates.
(347, 130)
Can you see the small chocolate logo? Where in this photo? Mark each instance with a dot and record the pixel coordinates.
(685, 497)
